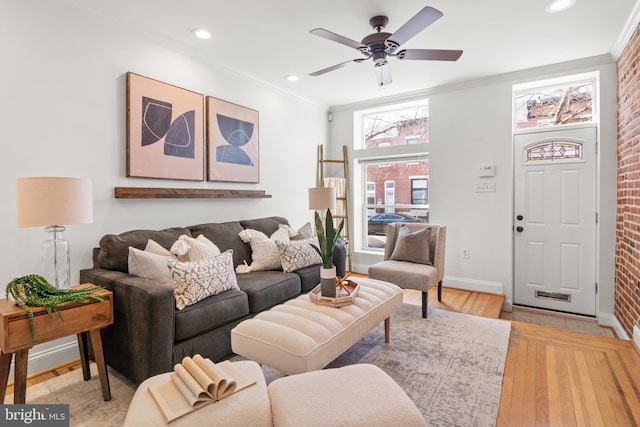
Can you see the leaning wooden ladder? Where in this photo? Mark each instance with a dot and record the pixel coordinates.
(340, 199)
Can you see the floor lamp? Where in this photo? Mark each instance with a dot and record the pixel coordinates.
(51, 202)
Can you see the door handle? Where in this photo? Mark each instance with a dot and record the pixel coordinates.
(519, 229)
(519, 217)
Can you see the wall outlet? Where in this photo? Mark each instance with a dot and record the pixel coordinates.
(466, 253)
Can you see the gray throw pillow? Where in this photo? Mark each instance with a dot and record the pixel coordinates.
(413, 247)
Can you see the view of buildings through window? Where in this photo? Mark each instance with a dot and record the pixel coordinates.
(555, 105)
(396, 188)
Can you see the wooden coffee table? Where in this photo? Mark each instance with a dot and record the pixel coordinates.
(82, 319)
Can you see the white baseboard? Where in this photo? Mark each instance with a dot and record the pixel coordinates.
(50, 356)
(636, 336)
(473, 285)
(608, 319)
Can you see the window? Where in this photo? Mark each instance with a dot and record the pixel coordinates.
(419, 191)
(392, 160)
(554, 150)
(402, 199)
(371, 197)
(395, 127)
(554, 103)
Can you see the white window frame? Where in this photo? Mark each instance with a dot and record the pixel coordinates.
(594, 77)
(403, 152)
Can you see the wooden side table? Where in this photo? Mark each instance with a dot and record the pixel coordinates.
(82, 319)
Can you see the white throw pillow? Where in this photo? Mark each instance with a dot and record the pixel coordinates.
(298, 254)
(196, 280)
(264, 251)
(187, 248)
(303, 233)
(156, 248)
(150, 265)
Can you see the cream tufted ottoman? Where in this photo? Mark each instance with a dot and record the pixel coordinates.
(301, 336)
(354, 396)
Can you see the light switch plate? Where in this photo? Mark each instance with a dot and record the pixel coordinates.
(486, 187)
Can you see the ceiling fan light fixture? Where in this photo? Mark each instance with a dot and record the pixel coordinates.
(559, 5)
(201, 33)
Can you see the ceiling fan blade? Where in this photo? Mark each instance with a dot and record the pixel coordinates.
(413, 26)
(429, 54)
(383, 74)
(321, 32)
(335, 67)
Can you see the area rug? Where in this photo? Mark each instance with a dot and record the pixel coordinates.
(450, 365)
(86, 406)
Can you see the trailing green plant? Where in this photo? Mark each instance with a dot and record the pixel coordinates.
(328, 236)
(34, 290)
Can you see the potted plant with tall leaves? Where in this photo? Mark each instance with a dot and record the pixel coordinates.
(328, 236)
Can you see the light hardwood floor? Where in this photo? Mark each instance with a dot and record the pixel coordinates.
(552, 377)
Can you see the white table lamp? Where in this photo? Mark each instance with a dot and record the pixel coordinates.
(50, 202)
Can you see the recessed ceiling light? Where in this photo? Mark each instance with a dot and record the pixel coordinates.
(201, 33)
(559, 5)
(293, 78)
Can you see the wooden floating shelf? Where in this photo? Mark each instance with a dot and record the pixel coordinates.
(187, 193)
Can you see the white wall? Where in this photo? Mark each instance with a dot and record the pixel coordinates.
(470, 125)
(63, 114)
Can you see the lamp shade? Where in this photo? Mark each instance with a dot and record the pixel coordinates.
(46, 201)
(322, 198)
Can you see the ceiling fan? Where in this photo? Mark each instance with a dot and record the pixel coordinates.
(379, 45)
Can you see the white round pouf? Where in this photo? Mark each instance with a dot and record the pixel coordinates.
(352, 396)
(249, 406)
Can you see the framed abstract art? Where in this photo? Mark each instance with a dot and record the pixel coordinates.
(165, 130)
(232, 142)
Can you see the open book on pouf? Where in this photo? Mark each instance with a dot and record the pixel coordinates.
(197, 382)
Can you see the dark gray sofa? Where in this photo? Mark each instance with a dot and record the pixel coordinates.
(150, 334)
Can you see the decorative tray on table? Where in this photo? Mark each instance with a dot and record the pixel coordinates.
(346, 291)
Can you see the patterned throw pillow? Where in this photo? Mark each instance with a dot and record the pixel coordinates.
(412, 247)
(196, 280)
(187, 248)
(298, 254)
(264, 251)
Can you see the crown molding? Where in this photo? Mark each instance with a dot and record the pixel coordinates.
(627, 32)
(514, 76)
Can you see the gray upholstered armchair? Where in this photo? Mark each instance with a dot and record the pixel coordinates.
(410, 261)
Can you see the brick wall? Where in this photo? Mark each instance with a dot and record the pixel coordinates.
(627, 305)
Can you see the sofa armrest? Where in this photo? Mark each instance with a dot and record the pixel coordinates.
(140, 342)
(340, 259)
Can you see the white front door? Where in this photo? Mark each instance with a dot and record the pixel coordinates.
(555, 220)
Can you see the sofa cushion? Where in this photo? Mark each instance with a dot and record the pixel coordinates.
(114, 249)
(267, 225)
(268, 288)
(225, 236)
(197, 280)
(210, 313)
(309, 277)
